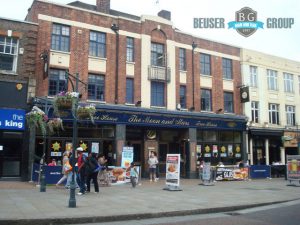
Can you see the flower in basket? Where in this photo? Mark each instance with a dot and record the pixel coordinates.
(37, 118)
(86, 112)
(55, 124)
(64, 100)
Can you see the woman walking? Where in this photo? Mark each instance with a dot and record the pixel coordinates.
(66, 169)
(152, 167)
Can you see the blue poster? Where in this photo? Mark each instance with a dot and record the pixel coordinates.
(12, 119)
(127, 156)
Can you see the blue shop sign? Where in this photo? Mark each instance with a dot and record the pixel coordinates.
(162, 120)
(12, 119)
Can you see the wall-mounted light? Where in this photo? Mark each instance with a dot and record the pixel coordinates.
(19, 87)
(138, 103)
(45, 57)
(219, 110)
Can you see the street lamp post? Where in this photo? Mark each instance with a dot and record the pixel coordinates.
(72, 200)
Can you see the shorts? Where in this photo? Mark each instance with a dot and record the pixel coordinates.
(152, 170)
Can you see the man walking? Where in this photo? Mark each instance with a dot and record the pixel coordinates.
(81, 175)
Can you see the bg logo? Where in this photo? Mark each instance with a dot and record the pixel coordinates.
(245, 22)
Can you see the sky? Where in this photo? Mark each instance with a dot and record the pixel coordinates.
(280, 42)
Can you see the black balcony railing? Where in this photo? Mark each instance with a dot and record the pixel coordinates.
(159, 73)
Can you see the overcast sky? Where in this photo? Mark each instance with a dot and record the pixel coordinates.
(281, 42)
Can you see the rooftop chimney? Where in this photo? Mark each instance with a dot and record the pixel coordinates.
(165, 14)
(103, 6)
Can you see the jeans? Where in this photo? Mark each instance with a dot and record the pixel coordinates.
(81, 182)
(133, 181)
(69, 179)
(92, 176)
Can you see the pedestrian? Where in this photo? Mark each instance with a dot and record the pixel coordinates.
(157, 167)
(81, 174)
(103, 175)
(66, 168)
(70, 175)
(53, 163)
(152, 167)
(133, 174)
(92, 169)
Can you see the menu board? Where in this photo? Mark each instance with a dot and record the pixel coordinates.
(232, 173)
(293, 167)
(173, 169)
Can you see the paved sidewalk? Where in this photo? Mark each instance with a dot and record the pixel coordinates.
(23, 203)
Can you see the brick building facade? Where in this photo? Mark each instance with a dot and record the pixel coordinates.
(150, 82)
(17, 87)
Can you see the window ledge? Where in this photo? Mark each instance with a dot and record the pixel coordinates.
(95, 101)
(227, 79)
(131, 63)
(96, 57)
(129, 104)
(182, 71)
(57, 51)
(204, 111)
(229, 113)
(6, 72)
(158, 107)
(205, 75)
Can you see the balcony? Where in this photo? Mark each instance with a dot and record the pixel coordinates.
(158, 73)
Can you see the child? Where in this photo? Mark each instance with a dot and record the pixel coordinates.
(133, 174)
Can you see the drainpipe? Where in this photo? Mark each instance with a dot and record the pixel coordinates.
(194, 45)
(115, 28)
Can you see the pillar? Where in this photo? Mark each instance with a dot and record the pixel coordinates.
(267, 151)
(119, 142)
(245, 146)
(191, 153)
(251, 151)
(31, 151)
(282, 155)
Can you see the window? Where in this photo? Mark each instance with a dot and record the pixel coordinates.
(157, 93)
(274, 113)
(182, 59)
(205, 100)
(60, 39)
(157, 54)
(183, 96)
(97, 44)
(129, 90)
(272, 80)
(8, 53)
(205, 64)
(253, 76)
(96, 87)
(129, 49)
(290, 115)
(57, 82)
(228, 102)
(227, 68)
(288, 82)
(254, 111)
(299, 83)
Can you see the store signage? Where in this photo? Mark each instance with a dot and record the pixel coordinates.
(232, 173)
(166, 121)
(173, 170)
(12, 119)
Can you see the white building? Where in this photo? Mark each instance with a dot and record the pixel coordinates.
(274, 106)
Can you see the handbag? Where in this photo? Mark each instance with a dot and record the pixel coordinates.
(67, 167)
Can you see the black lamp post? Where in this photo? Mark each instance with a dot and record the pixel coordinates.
(72, 199)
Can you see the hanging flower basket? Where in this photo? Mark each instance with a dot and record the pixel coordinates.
(55, 125)
(65, 101)
(36, 118)
(86, 112)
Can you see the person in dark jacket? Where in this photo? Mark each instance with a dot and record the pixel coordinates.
(92, 169)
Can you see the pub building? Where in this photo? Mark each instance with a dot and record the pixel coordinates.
(155, 88)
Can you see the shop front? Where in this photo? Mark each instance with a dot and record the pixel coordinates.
(12, 145)
(145, 130)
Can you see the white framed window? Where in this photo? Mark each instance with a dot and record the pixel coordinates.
(253, 76)
(255, 111)
(272, 80)
(290, 115)
(299, 83)
(274, 113)
(288, 82)
(8, 53)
